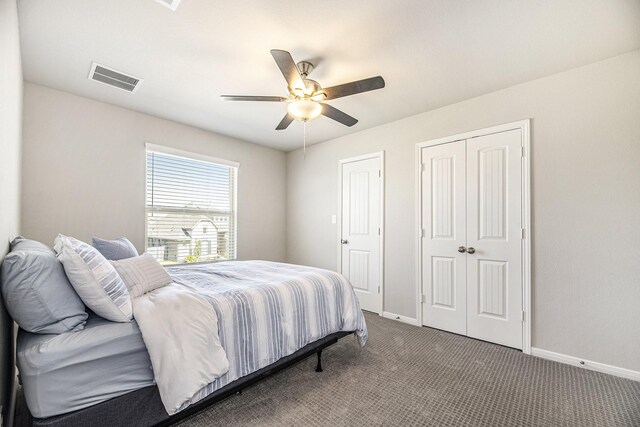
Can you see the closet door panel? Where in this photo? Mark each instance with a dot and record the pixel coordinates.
(494, 238)
(443, 211)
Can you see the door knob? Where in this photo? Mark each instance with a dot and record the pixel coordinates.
(471, 250)
(344, 242)
(462, 249)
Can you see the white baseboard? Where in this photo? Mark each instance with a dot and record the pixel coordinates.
(403, 319)
(586, 364)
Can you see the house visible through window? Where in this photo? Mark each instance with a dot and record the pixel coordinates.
(190, 207)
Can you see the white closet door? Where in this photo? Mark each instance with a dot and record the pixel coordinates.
(494, 238)
(443, 219)
(361, 221)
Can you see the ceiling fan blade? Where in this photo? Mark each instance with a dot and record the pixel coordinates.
(288, 68)
(253, 98)
(338, 116)
(286, 121)
(352, 88)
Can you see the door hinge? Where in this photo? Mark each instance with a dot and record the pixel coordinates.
(423, 167)
(522, 151)
(422, 233)
(378, 289)
(422, 298)
(378, 231)
(524, 316)
(379, 173)
(523, 234)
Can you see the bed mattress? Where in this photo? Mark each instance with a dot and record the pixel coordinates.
(75, 370)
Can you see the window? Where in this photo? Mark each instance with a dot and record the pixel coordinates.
(190, 207)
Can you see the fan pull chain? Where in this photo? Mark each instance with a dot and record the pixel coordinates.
(304, 139)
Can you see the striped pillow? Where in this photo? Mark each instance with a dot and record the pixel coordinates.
(142, 274)
(94, 279)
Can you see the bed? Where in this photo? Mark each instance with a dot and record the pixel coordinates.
(270, 315)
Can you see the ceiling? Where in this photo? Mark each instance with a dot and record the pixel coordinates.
(430, 52)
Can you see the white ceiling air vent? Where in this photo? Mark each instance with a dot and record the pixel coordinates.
(114, 78)
(171, 4)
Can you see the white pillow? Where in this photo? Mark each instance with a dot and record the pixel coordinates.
(142, 274)
(94, 279)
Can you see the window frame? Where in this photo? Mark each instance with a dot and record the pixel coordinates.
(171, 151)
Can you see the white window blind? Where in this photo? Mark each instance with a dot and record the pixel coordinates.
(190, 207)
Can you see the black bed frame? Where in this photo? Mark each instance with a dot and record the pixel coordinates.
(7, 364)
(143, 407)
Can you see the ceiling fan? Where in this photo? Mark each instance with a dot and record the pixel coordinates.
(306, 97)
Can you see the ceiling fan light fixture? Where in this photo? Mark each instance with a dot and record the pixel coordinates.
(304, 109)
(305, 96)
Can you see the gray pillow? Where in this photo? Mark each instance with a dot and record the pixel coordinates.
(36, 290)
(115, 250)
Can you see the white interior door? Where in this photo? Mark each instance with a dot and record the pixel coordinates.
(472, 237)
(494, 238)
(361, 222)
(443, 218)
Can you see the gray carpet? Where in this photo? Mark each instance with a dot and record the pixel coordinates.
(410, 376)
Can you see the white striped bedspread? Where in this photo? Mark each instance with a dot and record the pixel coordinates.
(269, 310)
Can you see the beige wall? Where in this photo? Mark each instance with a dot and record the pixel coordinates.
(10, 123)
(10, 148)
(586, 202)
(84, 172)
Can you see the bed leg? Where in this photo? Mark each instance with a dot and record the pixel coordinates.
(319, 365)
